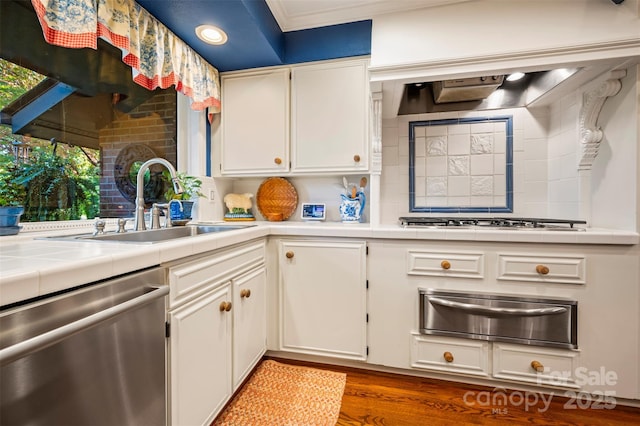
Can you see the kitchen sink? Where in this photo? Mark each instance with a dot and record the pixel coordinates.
(153, 235)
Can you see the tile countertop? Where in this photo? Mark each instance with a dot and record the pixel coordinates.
(32, 267)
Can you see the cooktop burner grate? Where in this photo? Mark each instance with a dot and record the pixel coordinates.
(493, 222)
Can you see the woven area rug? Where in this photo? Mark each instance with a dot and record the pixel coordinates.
(286, 395)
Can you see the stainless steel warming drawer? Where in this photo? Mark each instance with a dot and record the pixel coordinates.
(496, 317)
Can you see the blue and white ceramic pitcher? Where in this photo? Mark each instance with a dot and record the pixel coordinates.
(351, 208)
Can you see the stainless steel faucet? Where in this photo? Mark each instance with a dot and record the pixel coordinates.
(156, 209)
(99, 227)
(177, 187)
(122, 223)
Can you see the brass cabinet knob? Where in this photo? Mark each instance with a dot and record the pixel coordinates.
(448, 356)
(225, 306)
(542, 270)
(356, 158)
(537, 365)
(245, 292)
(289, 255)
(277, 160)
(445, 264)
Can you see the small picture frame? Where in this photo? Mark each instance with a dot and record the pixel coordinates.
(313, 211)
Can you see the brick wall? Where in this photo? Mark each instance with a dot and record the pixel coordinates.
(152, 124)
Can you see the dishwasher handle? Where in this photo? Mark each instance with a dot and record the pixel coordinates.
(44, 340)
(491, 310)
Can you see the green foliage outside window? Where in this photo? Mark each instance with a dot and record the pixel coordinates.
(11, 193)
(51, 186)
(58, 188)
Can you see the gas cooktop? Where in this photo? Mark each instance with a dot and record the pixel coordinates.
(514, 223)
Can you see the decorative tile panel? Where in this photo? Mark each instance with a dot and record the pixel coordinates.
(465, 164)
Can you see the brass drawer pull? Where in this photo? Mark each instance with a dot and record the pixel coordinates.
(277, 160)
(537, 365)
(225, 306)
(445, 264)
(448, 356)
(289, 255)
(542, 269)
(245, 292)
(356, 158)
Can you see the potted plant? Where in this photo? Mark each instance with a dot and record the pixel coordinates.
(12, 197)
(191, 185)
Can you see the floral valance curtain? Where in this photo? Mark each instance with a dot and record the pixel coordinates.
(157, 57)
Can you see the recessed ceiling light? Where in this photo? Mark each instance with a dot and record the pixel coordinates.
(515, 76)
(211, 34)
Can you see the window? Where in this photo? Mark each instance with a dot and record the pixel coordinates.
(52, 181)
(73, 157)
(80, 129)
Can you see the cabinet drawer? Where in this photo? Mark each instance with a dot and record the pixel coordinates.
(552, 367)
(551, 269)
(445, 264)
(450, 355)
(190, 279)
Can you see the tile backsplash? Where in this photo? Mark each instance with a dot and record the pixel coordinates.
(461, 165)
(529, 164)
(546, 154)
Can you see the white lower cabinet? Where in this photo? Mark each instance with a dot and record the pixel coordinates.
(540, 366)
(525, 364)
(542, 269)
(323, 309)
(450, 355)
(249, 322)
(200, 351)
(217, 329)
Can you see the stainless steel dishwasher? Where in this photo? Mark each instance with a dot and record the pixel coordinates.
(91, 356)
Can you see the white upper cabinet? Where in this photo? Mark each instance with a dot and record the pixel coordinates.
(305, 119)
(255, 123)
(329, 127)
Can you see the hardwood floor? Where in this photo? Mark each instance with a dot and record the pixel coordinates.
(376, 398)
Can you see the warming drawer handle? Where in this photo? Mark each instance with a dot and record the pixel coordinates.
(494, 310)
(44, 340)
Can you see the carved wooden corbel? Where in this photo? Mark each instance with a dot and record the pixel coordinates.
(376, 130)
(590, 134)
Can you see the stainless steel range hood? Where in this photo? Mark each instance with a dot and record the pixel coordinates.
(479, 93)
(465, 89)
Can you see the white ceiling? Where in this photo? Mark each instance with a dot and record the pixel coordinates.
(294, 15)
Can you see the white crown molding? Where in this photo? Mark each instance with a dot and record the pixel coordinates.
(590, 134)
(294, 15)
(529, 60)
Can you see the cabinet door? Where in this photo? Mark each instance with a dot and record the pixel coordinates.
(323, 298)
(249, 322)
(200, 352)
(255, 123)
(330, 109)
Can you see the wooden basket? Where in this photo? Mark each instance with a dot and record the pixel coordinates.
(276, 199)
